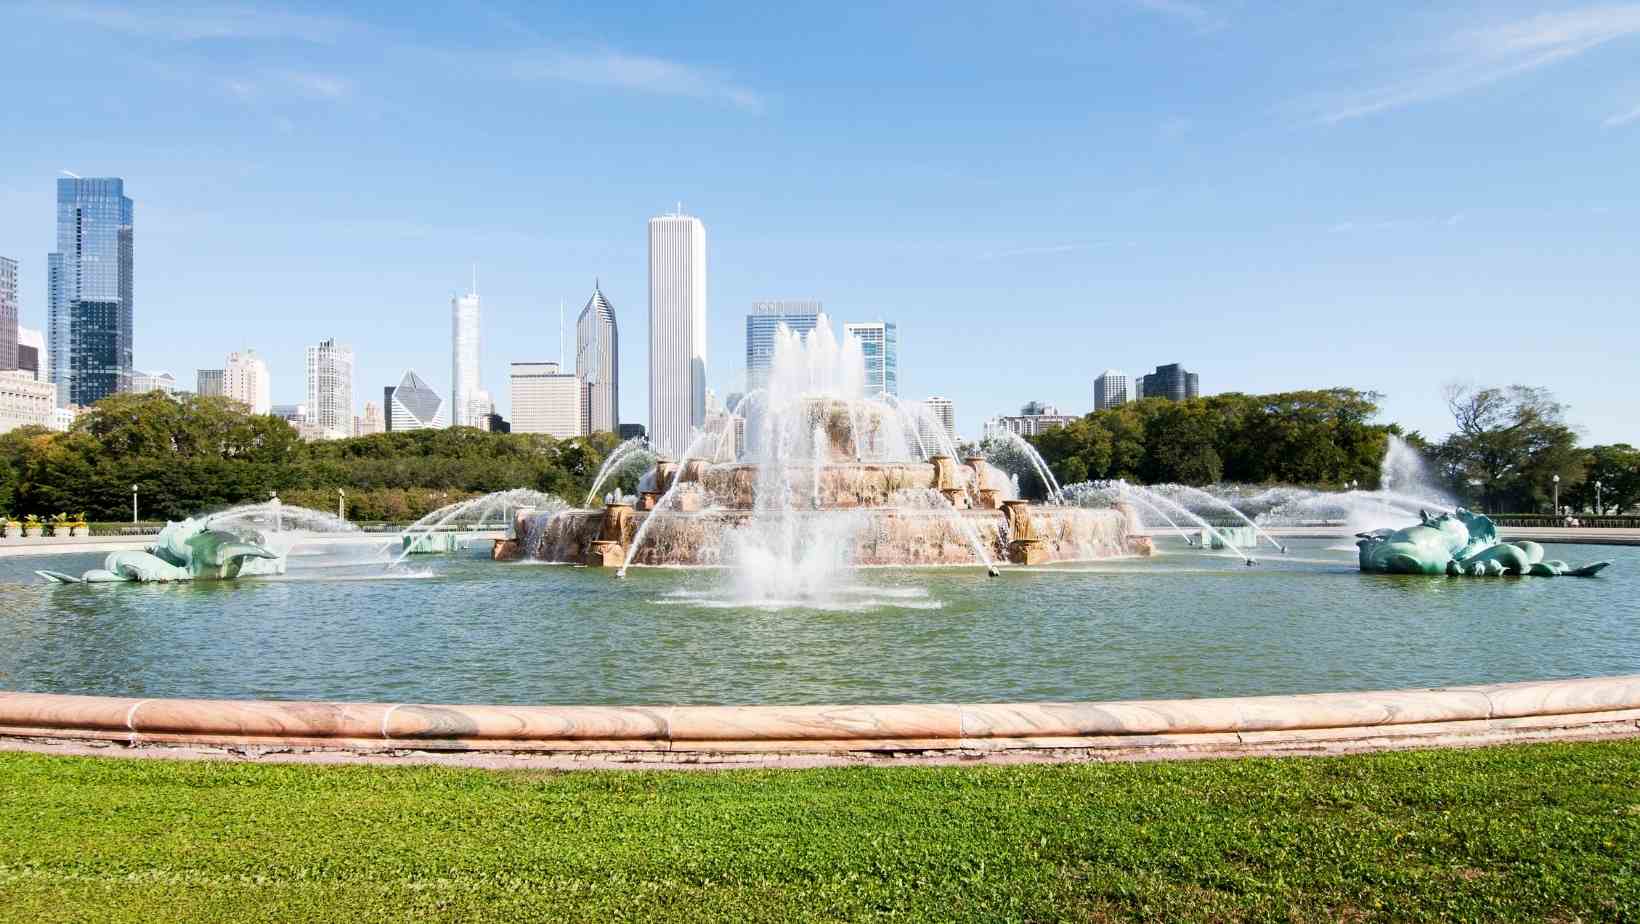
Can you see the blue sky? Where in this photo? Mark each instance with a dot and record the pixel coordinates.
(1278, 195)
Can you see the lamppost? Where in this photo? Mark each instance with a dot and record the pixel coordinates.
(133, 503)
(1557, 495)
(341, 504)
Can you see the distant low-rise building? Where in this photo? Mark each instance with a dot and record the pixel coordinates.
(1026, 424)
(1110, 390)
(495, 423)
(26, 402)
(144, 382)
(629, 431)
(209, 383)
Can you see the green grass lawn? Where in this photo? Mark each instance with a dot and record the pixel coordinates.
(1526, 832)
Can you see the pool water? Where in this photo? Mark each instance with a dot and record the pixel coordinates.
(457, 629)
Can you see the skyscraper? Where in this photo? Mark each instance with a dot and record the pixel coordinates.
(1110, 390)
(412, 405)
(880, 342)
(8, 314)
(245, 379)
(545, 400)
(209, 383)
(766, 318)
(466, 404)
(330, 390)
(598, 363)
(677, 331)
(88, 286)
(1171, 382)
(945, 415)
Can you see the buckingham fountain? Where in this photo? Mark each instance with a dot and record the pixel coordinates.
(811, 474)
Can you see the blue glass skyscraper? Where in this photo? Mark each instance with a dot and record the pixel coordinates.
(880, 342)
(766, 318)
(88, 288)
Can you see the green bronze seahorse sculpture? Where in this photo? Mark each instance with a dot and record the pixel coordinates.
(183, 551)
(1458, 543)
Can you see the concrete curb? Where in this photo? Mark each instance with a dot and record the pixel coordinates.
(1309, 723)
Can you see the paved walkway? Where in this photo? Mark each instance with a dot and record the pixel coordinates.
(67, 545)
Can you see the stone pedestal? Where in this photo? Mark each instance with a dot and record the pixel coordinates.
(606, 554)
(648, 499)
(956, 497)
(945, 473)
(665, 471)
(1027, 551)
(990, 499)
(692, 470)
(617, 520)
(1018, 513)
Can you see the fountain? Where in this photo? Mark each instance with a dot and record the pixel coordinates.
(830, 478)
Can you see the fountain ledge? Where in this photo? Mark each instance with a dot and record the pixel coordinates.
(1141, 729)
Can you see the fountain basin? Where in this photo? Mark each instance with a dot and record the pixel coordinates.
(876, 536)
(1307, 723)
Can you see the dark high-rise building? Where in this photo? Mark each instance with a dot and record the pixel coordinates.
(1171, 382)
(88, 288)
(495, 423)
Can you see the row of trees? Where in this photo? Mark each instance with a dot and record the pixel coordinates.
(192, 454)
(1301, 437)
(1506, 448)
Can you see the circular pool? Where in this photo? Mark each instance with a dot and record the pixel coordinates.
(1182, 624)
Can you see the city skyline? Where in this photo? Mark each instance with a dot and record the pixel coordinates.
(1237, 215)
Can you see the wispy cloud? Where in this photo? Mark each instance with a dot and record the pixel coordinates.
(1623, 118)
(1195, 15)
(1041, 251)
(639, 73)
(202, 22)
(286, 85)
(1477, 57)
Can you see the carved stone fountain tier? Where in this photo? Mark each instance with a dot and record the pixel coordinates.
(880, 536)
(887, 512)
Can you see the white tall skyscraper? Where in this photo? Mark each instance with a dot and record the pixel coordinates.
(1110, 390)
(330, 390)
(245, 379)
(598, 363)
(677, 330)
(467, 406)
